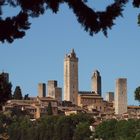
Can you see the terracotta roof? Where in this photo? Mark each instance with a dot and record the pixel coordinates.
(86, 92)
(46, 99)
(133, 107)
(92, 97)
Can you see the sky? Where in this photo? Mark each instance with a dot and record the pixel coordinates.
(39, 56)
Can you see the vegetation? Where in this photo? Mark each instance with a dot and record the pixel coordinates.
(92, 21)
(26, 97)
(137, 94)
(17, 93)
(119, 130)
(82, 132)
(48, 128)
(5, 90)
(73, 127)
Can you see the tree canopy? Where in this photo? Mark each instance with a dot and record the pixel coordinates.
(12, 28)
(5, 89)
(137, 94)
(118, 130)
(47, 128)
(17, 93)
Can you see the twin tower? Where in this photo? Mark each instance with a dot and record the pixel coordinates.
(71, 79)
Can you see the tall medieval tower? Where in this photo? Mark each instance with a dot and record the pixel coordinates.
(121, 96)
(42, 90)
(71, 77)
(96, 82)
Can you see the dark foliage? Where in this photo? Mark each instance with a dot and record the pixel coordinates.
(5, 89)
(137, 94)
(50, 128)
(92, 21)
(17, 93)
(13, 28)
(26, 97)
(118, 130)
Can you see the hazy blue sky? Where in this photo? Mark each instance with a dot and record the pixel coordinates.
(39, 56)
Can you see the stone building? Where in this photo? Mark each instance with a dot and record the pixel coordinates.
(71, 77)
(121, 96)
(110, 96)
(96, 82)
(42, 90)
(54, 91)
(91, 100)
(133, 111)
(36, 107)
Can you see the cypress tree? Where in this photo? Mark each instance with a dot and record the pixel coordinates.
(17, 93)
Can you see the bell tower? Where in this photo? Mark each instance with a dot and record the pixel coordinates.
(71, 77)
(96, 82)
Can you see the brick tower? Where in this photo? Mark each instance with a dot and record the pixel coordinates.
(71, 77)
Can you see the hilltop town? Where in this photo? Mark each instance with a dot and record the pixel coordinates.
(75, 101)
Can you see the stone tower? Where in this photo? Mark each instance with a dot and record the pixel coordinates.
(42, 90)
(96, 82)
(51, 85)
(110, 96)
(71, 77)
(121, 96)
(54, 91)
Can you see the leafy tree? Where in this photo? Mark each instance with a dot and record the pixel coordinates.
(82, 132)
(64, 129)
(66, 126)
(137, 94)
(92, 21)
(126, 129)
(17, 93)
(5, 89)
(137, 137)
(118, 130)
(47, 127)
(106, 130)
(19, 129)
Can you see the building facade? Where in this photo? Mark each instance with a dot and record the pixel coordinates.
(71, 77)
(121, 96)
(91, 101)
(35, 107)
